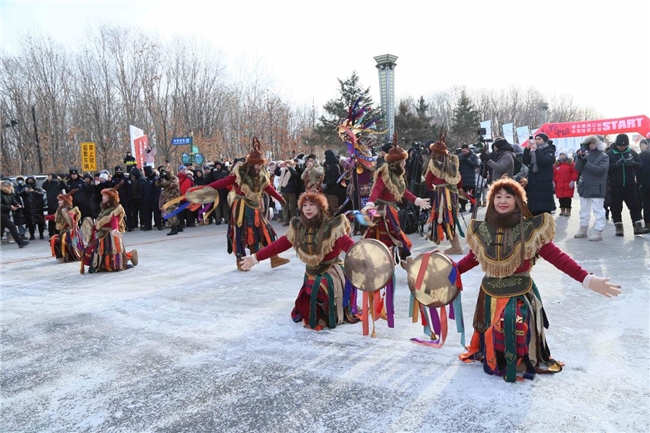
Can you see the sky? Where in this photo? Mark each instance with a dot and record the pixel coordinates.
(596, 52)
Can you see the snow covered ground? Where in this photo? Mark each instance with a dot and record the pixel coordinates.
(185, 342)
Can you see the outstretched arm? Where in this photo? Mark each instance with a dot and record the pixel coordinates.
(280, 245)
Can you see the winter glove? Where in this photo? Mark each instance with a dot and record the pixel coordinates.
(248, 262)
(422, 203)
(369, 205)
(601, 286)
(572, 184)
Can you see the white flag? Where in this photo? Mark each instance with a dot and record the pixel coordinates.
(507, 132)
(522, 135)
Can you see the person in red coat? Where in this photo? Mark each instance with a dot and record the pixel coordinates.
(388, 190)
(565, 177)
(324, 300)
(509, 320)
(248, 227)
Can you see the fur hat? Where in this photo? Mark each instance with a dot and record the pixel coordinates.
(112, 194)
(440, 146)
(396, 153)
(118, 169)
(512, 187)
(67, 198)
(622, 140)
(103, 176)
(74, 171)
(593, 139)
(543, 136)
(255, 156)
(315, 197)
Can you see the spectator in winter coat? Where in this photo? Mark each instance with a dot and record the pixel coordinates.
(540, 157)
(332, 188)
(624, 167)
(137, 185)
(222, 212)
(592, 163)
(101, 183)
(34, 204)
(565, 177)
(468, 162)
(53, 186)
(313, 174)
(81, 198)
(504, 161)
(129, 162)
(149, 156)
(8, 205)
(125, 191)
(288, 181)
(149, 199)
(644, 180)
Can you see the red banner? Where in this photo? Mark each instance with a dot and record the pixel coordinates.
(621, 125)
(140, 144)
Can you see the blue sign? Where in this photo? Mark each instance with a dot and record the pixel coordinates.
(178, 141)
(198, 159)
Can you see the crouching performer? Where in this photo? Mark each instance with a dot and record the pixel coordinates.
(67, 245)
(106, 252)
(324, 299)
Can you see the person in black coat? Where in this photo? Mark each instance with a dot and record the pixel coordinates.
(149, 202)
(126, 194)
(83, 194)
(8, 205)
(332, 188)
(137, 185)
(540, 159)
(53, 186)
(34, 205)
(624, 167)
(223, 209)
(468, 162)
(644, 179)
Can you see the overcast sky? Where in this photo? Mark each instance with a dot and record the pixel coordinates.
(595, 51)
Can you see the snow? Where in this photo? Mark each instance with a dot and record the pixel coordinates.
(185, 342)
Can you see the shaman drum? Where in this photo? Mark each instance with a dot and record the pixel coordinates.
(202, 194)
(369, 265)
(432, 279)
(87, 230)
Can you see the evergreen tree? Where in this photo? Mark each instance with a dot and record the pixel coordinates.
(465, 122)
(337, 109)
(412, 127)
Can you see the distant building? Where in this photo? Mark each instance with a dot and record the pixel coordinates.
(386, 66)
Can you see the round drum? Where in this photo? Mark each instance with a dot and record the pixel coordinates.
(369, 265)
(432, 279)
(87, 229)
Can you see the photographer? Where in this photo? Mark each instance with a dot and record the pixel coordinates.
(468, 163)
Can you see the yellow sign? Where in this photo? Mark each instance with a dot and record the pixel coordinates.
(88, 156)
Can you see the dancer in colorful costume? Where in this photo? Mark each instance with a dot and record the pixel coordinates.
(106, 252)
(248, 227)
(67, 245)
(443, 179)
(324, 300)
(509, 320)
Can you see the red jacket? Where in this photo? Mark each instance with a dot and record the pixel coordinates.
(344, 243)
(230, 180)
(380, 192)
(563, 174)
(184, 183)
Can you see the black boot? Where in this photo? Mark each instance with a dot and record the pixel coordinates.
(173, 231)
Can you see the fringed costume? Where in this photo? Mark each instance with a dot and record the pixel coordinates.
(509, 321)
(324, 300)
(67, 245)
(443, 180)
(106, 252)
(248, 227)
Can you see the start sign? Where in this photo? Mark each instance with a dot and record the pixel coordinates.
(88, 156)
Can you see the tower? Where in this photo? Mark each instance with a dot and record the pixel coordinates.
(386, 66)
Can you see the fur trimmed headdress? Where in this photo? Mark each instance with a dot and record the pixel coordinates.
(440, 146)
(315, 197)
(112, 193)
(67, 198)
(255, 156)
(396, 153)
(512, 187)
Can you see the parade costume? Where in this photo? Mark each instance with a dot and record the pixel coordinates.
(509, 321)
(443, 180)
(67, 245)
(106, 252)
(248, 227)
(324, 300)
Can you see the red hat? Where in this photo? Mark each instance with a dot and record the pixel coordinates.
(396, 153)
(440, 146)
(255, 156)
